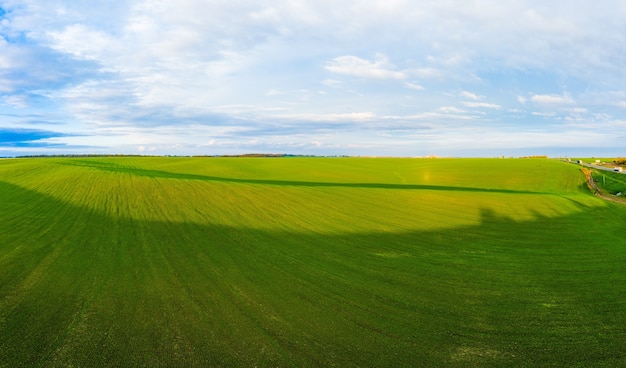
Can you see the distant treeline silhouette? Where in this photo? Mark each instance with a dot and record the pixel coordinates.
(137, 155)
(83, 155)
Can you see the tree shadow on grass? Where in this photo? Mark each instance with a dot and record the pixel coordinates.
(116, 168)
(82, 288)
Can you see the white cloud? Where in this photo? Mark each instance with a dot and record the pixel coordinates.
(452, 110)
(337, 117)
(190, 63)
(5, 59)
(19, 101)
(414, 86)
(470, 95)
(380, 68)
(484, 105)
(544, 114)
(552, 100)
(82, 42)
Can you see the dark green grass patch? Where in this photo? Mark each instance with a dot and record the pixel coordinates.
(140, 265)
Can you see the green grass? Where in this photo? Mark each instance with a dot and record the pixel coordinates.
(610, 182)
(308, 262)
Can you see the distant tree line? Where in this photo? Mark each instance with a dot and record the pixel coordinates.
(81, 155)
(137, 155)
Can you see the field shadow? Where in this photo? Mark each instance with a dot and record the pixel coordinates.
(82, 288)
(116, 168)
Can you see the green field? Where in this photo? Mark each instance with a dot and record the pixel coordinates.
(281, 262)
(610, 183)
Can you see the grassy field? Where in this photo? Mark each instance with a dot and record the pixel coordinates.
(346, 262)
(610, 183)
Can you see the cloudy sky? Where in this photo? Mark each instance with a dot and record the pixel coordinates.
(359, 77)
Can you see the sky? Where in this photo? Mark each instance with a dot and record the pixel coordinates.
(475, 78)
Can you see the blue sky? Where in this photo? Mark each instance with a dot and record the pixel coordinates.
(369, 77)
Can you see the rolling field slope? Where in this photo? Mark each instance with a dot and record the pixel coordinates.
(243, 262)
